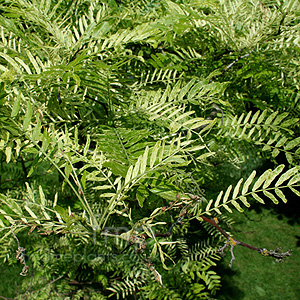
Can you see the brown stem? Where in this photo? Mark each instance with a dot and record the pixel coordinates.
(213, 223)
(233, 242)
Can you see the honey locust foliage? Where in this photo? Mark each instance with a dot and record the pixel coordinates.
(122, 123)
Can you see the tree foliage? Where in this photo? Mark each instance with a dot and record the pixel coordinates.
(123, 123)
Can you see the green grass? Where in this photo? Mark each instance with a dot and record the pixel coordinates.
(254, 276)
(10, 280)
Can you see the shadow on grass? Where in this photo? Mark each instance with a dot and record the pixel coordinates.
(10, 280)
(228, 291)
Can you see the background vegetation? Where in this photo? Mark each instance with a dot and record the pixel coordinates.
(125, 125)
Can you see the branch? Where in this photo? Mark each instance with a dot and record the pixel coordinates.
(20, 254)
(233, 242)
(232, 63)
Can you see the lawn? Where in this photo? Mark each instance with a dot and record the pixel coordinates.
(254, 276)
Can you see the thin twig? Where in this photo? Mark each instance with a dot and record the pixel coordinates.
(233, 242)
(20, 254)
(232, 63)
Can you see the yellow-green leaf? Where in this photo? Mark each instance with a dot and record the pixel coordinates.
(281, 195)
(28, 116)
(272, 175)
(256, 197)
(227, 208)
(248, 182)
(209, 205)
(218, 199)
(227, 193)
(271, 196)
(287, 175)
(244, 200)
(16, 106)
(237, 188)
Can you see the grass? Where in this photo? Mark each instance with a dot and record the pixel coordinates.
(10, 280)
(254, 276)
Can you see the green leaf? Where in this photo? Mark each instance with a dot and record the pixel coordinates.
(102, 187)
(8, 153)
(255, 116)
(281, 142)
(262, 116)
(271, 196)
(153, 252)
(153, 156)
(272, 175)
(275, 152)
(227, 193)
(256, 197)
(248, 182)
(83, 179)
(87, 145)
(116, 168)
(237, 206)
(28, 116)
(285, 176)
(289, 157)
(295, 191)
(37, 130)
(244, 200)
(136, 168)
(289, 122)
(209, 205)
(281, 195)
(32, 214)
(76, 78)
(42, 196)
(107, 195)
(271, 118)
(247, 117)
(218, 199)
(33, 61)
(16, 106)
(261, 179)
(165, 192)
(62, 213)
(184, 90)
(227, 208)
(144, 161)
(30, 194)
(141, 194)
(22, 63)
(205, 155)
(292, 144)
(11, 61)
(240, 119)
(237, 188)
(68, 170)
(294, 179)
(280, 118)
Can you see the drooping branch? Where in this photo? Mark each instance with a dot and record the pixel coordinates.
(230, 241)
(233, 242)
